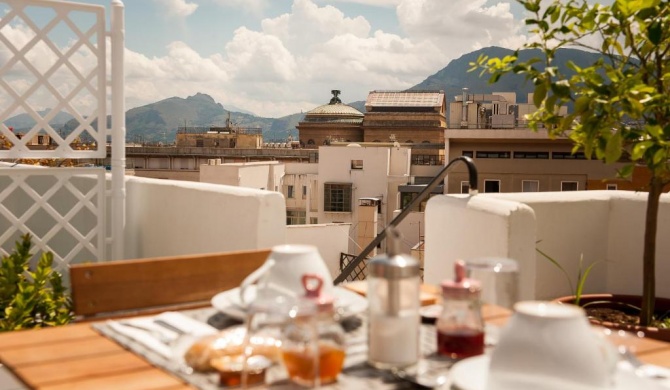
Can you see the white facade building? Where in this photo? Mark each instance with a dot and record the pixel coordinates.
(264, 175)
(358, 174)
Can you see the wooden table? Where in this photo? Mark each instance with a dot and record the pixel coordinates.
(77, 357)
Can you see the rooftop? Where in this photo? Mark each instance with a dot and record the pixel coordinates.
(405, 99)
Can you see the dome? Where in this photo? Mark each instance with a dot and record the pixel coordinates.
(334, 112)
(339, 109)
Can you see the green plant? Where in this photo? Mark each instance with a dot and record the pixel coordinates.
(582, 274)
(31, 299)
(620, 102)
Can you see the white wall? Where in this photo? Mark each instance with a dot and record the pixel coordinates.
(466, 227)
(605, 226)
(371, 181)
(260, 175)
(331, 239)
(165, 217)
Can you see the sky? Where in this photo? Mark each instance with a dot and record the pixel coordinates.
(280, 57)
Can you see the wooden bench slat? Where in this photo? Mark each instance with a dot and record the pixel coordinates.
(145, 283)
(144, 379)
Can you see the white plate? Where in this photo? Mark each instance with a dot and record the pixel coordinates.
(228, 302)
(472, 374)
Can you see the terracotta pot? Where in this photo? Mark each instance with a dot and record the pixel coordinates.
(624, 303)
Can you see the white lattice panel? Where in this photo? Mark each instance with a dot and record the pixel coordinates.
(62, 209)
(52, 68)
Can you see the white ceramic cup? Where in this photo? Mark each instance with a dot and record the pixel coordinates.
(282, 272)
(547, 341)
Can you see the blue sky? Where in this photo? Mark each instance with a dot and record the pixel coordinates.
(278, 57)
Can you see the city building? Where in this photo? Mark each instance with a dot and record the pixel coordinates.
(510, 157)
(334, 121)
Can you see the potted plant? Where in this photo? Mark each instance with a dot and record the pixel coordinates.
(612, 310)
(620, 102)
(31, 299)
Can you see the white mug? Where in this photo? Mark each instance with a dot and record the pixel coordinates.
(282, 272)
(547, 342)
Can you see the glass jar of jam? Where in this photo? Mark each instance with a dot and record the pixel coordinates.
(313, 342)
(460, 328)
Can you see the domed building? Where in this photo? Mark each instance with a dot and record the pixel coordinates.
(334, 121)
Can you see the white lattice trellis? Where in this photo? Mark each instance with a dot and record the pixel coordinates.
(59, 207)
(53, 65)
(71, 77)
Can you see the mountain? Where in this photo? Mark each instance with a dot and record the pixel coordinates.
(158, 122)
(455, 76)
(24, 122)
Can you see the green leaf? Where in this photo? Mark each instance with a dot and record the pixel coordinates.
(539, 94)
(614, 148)
(582, 279)
(559, 266)
(561, 89)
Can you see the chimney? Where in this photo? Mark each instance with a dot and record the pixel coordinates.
(464, 115)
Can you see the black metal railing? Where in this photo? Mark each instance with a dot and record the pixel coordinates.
(354, 265)
(359, 271)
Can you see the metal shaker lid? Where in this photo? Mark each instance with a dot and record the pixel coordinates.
(394, 265)
(461, 286)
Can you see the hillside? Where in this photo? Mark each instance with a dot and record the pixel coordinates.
(158, 122)
(455, 76)
(24, 122)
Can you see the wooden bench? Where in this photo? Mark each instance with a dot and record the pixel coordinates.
(157, 284)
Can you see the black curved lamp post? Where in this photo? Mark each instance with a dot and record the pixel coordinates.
(472, 171)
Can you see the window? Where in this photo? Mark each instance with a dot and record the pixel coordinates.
(465, 187)
(337, 197)
(491, 185)
(289, 192)
(612, 187)
(468, 153)
(407, 197)
(427, 159)
(569, 186)
(532, 155)
(485, 154)
(304, 192)
(530, 185)
(199, 143)
(313, 220)
(295, 217)
(356, 164)
(568, 156)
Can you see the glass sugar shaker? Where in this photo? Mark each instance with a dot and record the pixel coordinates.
(460, 328)
(314, 341)
(394, 299)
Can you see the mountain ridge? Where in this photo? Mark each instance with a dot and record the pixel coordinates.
(158, 121)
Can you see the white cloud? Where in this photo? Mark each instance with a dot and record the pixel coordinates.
(293, 60)
(255, 7)
(461, 26)
(308, 26)
(177, 8)
(376, 3)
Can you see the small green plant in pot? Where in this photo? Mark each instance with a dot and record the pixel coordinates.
(582, 275)
(31, 299)
(620, 102)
